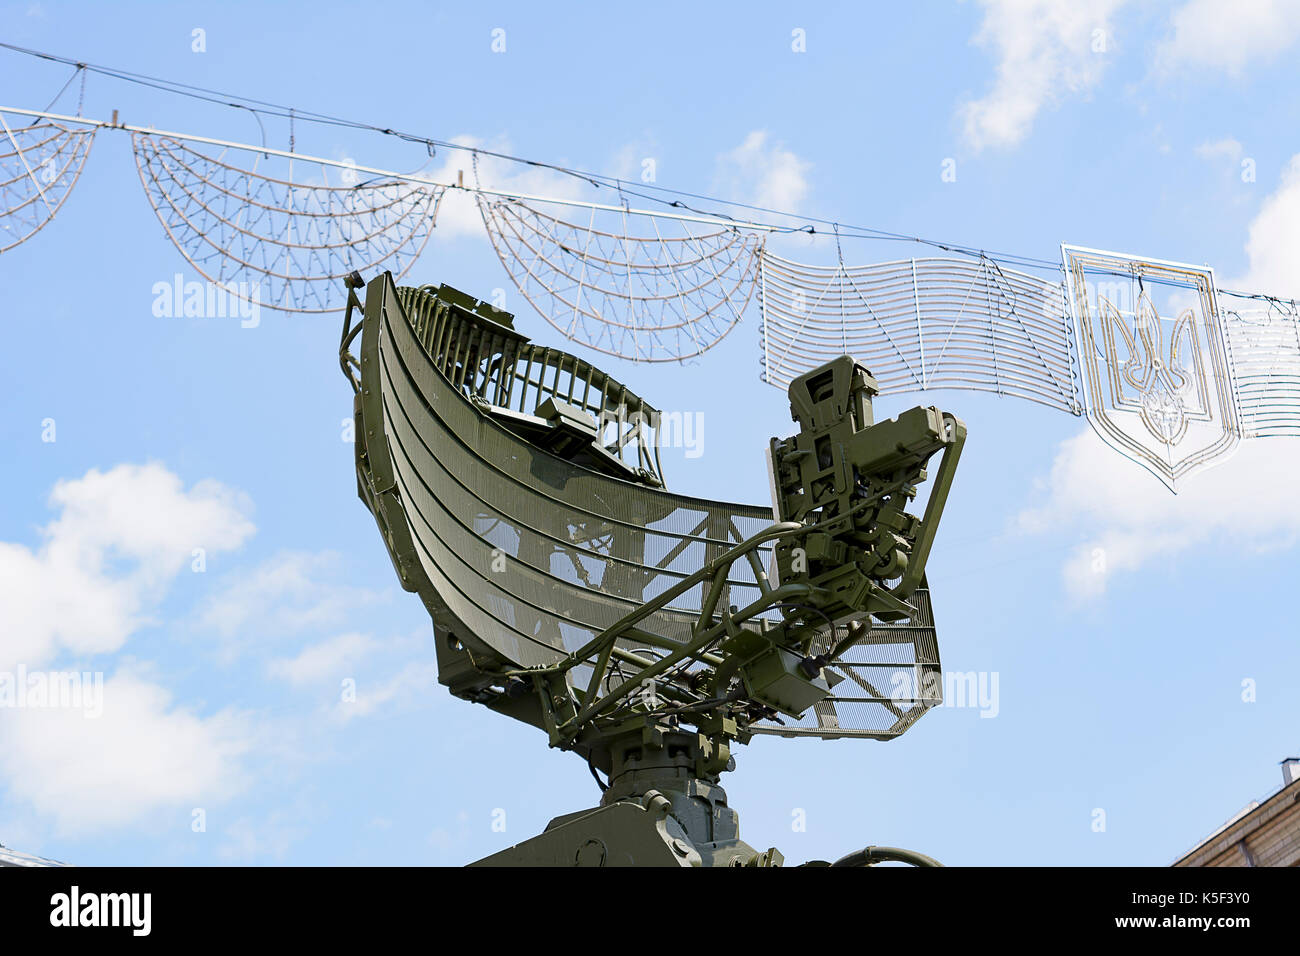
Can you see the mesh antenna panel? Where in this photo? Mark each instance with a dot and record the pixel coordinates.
(519, 492)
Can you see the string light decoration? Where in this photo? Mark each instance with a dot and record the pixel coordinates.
(286, 244)
(1263, 336)
(1158, 383)
(39, 165)
(666, 294)
(668, 281)
(921, 324)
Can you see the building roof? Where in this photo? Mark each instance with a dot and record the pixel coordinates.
(10, 857)
(1265, 833)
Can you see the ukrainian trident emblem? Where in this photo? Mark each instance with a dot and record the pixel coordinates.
(1156, 387)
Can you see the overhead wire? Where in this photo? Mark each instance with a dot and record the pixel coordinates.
(797, 222)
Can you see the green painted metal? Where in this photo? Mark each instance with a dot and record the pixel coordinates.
(519, 493)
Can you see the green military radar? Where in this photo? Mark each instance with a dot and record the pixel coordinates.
(520, 494)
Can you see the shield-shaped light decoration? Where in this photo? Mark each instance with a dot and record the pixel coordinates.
(1153, 360)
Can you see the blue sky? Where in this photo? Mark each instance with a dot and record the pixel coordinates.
(1119, 691)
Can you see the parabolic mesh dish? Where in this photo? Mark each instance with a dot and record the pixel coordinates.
(533, 554)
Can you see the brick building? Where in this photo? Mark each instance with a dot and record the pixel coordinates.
(1265, 833)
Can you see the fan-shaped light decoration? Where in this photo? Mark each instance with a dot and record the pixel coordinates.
(670, 292)
(921, 324)
(1264, 354)
(39, 165)
(285, 243)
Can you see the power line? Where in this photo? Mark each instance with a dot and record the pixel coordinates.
(596, 180)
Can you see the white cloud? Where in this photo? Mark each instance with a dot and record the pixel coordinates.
(458, 215)
(247, 840)
(1273, 241)
(1223, 147)
(329, 660)
(1045, 48)
(630, 163)
(116, 542)
(1229, 36)
(412, 684)
(288, 593)
(759, 171)
(393, 673)
(1132, 522)
(763, 173)
(120, 537)
(142, 755)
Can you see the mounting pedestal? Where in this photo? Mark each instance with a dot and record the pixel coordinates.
(663, 807)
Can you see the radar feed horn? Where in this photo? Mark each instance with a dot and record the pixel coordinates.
(852, 481)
